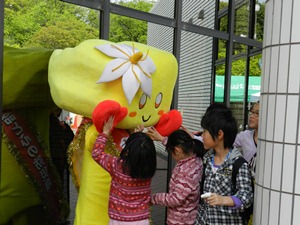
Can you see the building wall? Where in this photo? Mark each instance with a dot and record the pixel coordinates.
(195, 56)
(277, 193)
(161, 36)
(195, 63)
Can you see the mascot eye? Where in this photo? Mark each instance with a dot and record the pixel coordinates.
(143, 101)
(158, 100)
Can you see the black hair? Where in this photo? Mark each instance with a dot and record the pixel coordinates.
(221, 119)
(253, 104)
(139, 156)
(216, 105)
(182, 139)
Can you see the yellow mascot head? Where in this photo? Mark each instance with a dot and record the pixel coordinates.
(138, 77)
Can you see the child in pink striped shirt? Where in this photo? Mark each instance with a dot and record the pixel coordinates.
(131, 175)
(182, 199)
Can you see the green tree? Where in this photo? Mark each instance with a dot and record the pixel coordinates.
(260, 22)
(36, 21)
(124, 28)
(55, 24)
(19, 21)
(62, 34)
(241, 28)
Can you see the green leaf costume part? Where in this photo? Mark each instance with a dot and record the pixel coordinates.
(25, 78)
(25, 155)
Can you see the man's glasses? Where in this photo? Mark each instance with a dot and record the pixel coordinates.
(256, 114)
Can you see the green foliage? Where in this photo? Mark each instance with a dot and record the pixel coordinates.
(255, 69)
(124, 28)
(62, 34)
(260, 22)
(241, 29)
(142, 5)
(239, 67)
(55, 24)
(37, 22)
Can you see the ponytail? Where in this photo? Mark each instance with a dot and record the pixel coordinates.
(199, 148)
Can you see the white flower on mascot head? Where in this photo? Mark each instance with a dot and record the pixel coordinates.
(135, 67)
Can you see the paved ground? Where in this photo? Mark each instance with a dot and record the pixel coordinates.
(73, 200)
(158, 185)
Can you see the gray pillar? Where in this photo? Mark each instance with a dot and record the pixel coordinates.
(277, 193)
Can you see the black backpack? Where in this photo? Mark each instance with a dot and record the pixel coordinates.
(235, 169)
(236, 166)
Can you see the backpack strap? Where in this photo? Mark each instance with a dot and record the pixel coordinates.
(202, 179)
(235, 169)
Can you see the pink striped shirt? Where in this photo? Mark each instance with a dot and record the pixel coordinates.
(184, 192)
(129, 197)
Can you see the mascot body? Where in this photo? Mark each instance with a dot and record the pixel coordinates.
(132, 81)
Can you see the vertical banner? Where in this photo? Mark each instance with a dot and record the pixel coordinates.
(34, 163)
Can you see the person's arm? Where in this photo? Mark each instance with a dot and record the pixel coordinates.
(195, 134)
(103, 159)
(153, 133)
(219, 200)
(244, 195)
(188, 131)
(244, 186)
(172, 199)
(184, 182)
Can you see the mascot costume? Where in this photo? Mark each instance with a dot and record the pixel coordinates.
(30, 188)
(96, 79)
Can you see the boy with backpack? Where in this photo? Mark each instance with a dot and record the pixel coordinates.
(226, 195)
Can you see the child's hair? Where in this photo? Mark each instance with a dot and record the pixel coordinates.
(139, 156)
(216, 105)
(182, 139)
(221, 119)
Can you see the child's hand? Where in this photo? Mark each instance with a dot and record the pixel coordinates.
(153, 133)
(108, 125)
(187, 130)
(139, 128)
(219, 200)
(105, 109)
(213, 199)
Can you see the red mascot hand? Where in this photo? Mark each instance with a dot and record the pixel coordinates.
(169, 122)
(104, 110)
